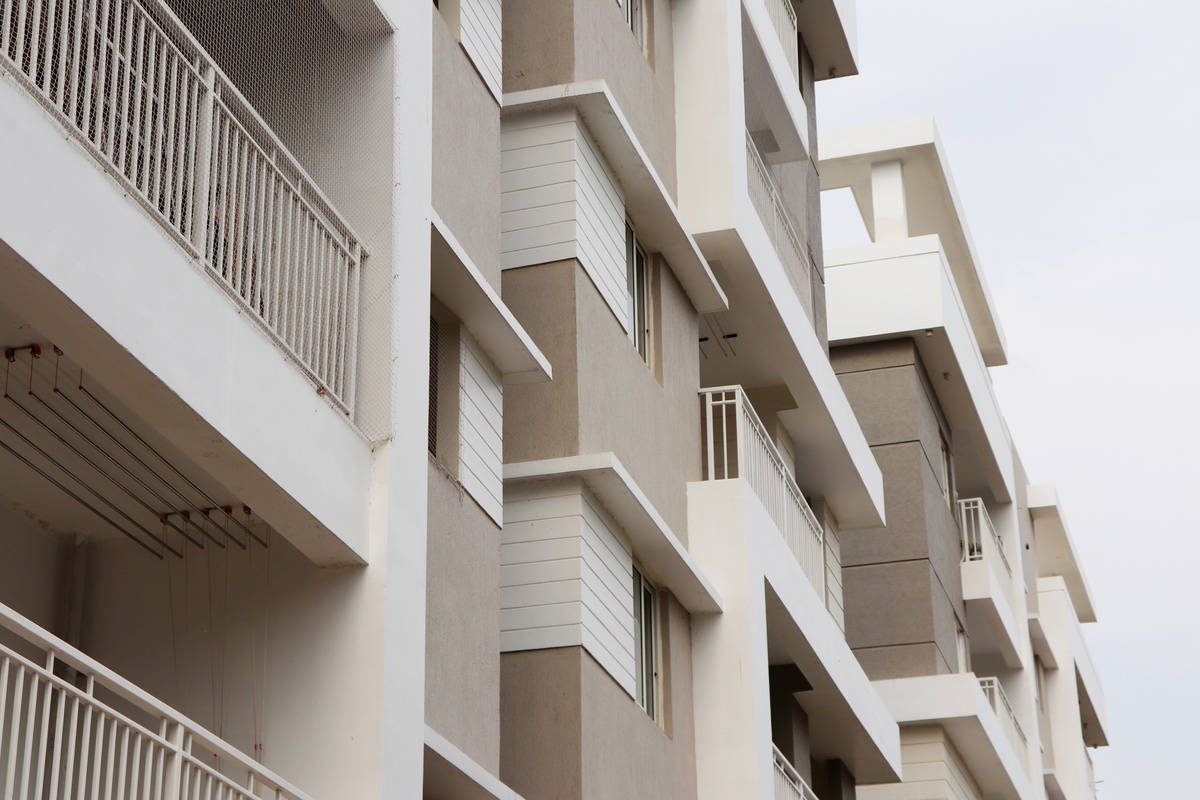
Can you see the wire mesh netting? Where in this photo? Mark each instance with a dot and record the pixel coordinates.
(245, 128)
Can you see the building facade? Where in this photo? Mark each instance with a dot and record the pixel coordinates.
(454, 400)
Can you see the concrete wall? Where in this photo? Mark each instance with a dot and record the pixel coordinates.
(570, 732)
(903, 585)
(34, 566)
(251, 641)
(603, 396)
(462, 618)
(551, 42)
(466, 153)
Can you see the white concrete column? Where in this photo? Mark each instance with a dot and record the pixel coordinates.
(887, 197)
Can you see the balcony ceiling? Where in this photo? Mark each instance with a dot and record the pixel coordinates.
(90, 464)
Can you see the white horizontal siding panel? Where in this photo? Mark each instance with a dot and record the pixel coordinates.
(611, 664)
(565, 561)
(541, 638)
(480, 34)
(532, 594)
(545, 616)
(480, 428)
(513, 553)
(550, 214)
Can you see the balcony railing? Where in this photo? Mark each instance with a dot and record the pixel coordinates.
(60, 740)
(783, 16)
(976, 524)
(1004, 712)
(788, 783)
(769, 205)
(133, 86)
(738, 446)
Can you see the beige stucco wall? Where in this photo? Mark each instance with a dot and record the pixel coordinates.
(462, 614)
(263, 627)
(902, 583)
(551, 42)
(466, 153)
(33, 568)
(603, 396)
(569, 732)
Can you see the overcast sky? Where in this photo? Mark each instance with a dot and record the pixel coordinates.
(1072, 129)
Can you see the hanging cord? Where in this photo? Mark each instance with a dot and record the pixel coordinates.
(224, 642)
(254, 666)
(174, 644)
(187, 676)
(212, 655)
(266, 632)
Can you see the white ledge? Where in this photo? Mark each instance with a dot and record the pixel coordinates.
(646, 198)
(461, 287)
(1056, 549)
(449, 772)
(654, 544)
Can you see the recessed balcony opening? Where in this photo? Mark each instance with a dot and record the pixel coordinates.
(239, 127)
(148, 616)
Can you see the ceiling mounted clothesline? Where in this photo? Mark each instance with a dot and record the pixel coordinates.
(89, 452)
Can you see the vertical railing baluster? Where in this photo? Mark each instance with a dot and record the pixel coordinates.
(87, 740)
(205, 122)
(172, 769)
(47, 701)
(354, 280)
(15, 728)
(30, 732)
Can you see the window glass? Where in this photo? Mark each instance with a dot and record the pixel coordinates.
(645, 632)
(637, 276)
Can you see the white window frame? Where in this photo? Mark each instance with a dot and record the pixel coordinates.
(647, 655)
(634, 18)
(946, 472)
(637, 278)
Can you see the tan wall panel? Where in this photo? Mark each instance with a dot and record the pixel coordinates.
(466, 153)
(462, 628)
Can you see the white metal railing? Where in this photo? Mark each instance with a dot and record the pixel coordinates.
(1004, 712)
(738, 446)
(60, 740)
(769, 204)
(974, 521)
(783, 16)
(135, 88)
(788, 783)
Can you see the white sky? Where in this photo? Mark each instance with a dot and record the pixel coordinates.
(1072, 130)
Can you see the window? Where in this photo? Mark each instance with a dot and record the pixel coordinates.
(946, 472)
(443, 386)
(637, 275)
(964, 652)
(633, 17)
(645, 645)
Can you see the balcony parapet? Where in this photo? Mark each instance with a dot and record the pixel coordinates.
(769, 204)
(166, 755)
(737, 445)
(133, 86)
(789, 785)
(1004, 712)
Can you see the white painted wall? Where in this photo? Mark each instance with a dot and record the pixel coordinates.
(480, 32)
(566, 576)
(560, 200)
(480, 427)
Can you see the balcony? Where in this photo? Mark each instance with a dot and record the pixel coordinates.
(776, 220)
(69, 727)
(133, 87)
(738, 446)
(783, 17)
(1004, 712)
(788, 783)
(989, 588)
(976, 525)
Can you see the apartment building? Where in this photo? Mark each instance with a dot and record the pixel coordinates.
(965, 608)
(453, 400)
